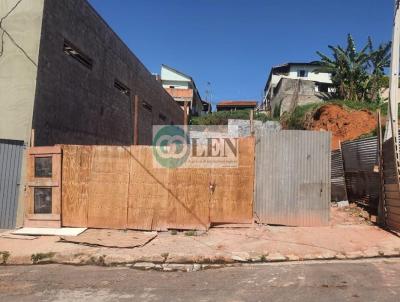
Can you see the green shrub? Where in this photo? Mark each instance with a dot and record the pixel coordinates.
(222, 117)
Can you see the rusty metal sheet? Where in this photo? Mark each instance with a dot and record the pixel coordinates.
(293, 172)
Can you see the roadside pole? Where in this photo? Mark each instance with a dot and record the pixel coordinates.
(392, 121)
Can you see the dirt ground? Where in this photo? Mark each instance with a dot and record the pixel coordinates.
(344, 124)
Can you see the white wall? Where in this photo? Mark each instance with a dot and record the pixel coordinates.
(169, 75)
(312, 75)
(176, 84)
(17, 72)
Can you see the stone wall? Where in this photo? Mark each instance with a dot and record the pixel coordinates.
(75, 104)
(293, 92)
(243, 128)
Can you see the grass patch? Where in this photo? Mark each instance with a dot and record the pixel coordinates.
(4, 257)
(222, 117)
(40, 257)
(190, 233)
(174, 232)
(165, 256)
(297, 119)
(101, 260)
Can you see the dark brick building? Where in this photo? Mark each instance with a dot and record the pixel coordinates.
(86, 81)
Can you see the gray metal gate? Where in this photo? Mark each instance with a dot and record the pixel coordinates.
(293, 172)
(10, 174)
(360, 159)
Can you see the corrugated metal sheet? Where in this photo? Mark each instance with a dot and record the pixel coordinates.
(10, 172)
(293, 172)
(362, 182)
(338, 184)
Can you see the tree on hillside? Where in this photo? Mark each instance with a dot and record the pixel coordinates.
(379, 60)
(357, 75)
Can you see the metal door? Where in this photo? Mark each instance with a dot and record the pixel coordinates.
(10, 176)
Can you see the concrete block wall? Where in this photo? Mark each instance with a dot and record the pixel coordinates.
(294, 92)
(77, 105)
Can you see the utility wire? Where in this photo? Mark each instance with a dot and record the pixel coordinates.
(5, 32)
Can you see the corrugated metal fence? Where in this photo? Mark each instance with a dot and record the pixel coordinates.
(360, 159)
(338, 186)
(10, 171)
(293, 171)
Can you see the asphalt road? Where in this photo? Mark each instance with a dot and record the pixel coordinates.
(344, 281)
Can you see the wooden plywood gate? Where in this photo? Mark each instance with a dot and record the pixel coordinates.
(118, 187)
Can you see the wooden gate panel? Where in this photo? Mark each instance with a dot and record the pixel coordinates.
(148, 192)
(75, 193)
(232, 197)
(189, 199)
(43, 191)
(120, 187)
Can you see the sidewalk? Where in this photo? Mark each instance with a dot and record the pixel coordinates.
(347, 238)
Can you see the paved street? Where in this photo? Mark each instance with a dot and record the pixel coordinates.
(343, 281)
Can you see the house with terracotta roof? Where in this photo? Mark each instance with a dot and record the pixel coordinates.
(236, 105)
(183, 90)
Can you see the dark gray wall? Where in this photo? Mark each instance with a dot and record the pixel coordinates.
(75, 105)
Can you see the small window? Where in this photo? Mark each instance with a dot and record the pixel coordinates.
(122, 88)
(302, 73)
(147, 106)
(74, 52)
(171, 86)
(43, 166)
(162, 117)
(42, 201)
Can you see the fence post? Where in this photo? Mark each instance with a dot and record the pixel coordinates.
(252, 122)
(185, 113)
(136, 121)
(381, 218)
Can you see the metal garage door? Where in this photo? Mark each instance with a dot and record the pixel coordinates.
(10, 173)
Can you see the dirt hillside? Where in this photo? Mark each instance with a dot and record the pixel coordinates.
(344, 124)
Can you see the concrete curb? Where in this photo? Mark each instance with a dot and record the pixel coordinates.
(170, 263)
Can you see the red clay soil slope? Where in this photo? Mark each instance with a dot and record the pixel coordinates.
(344, 124)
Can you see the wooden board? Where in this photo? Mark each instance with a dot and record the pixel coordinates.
(232, 200)
(75, 185)
(108, 187)
(148, 192)
(120, 187)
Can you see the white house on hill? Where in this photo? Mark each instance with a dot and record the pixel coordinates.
(307, 73)
(183, 89)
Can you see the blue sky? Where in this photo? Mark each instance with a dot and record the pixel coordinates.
(234, 43)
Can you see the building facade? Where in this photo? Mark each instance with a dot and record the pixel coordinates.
(67, 78)
(75, 80)
(316, 85)
(183, 89)
(236, 105)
